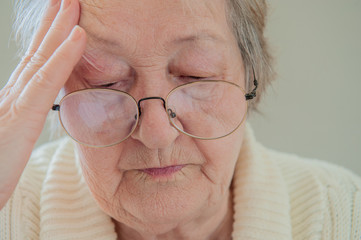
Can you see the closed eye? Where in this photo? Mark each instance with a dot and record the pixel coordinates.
(186, 79)
(106, 85)
(193, 77)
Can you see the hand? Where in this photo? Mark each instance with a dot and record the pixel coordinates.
(33, 87)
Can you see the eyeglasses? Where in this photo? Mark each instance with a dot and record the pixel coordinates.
(208, 109)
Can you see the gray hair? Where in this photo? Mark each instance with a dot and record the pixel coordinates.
(28, 14)
(247, 20)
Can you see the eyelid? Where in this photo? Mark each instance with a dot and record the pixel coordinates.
(101, 84)
(107, 85)
(197, 78)
(92, 64)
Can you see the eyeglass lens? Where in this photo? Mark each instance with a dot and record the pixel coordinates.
(103, 117)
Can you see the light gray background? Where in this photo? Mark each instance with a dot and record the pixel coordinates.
(314, 106)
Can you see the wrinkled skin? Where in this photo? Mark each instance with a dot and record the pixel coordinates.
(143, 47)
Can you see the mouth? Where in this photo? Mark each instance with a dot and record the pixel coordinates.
(163, 172)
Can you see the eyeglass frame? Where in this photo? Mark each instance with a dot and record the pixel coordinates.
(248, 96)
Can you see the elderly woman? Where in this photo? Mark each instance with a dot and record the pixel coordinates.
(152, 96)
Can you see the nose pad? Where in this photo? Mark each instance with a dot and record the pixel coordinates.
(173, 118)
(154, 129)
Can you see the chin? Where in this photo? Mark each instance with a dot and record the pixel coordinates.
(158, 216)
(153, 205)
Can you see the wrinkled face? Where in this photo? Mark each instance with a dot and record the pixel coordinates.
(147, 48)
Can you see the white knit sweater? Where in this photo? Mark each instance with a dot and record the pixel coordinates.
(276, 196)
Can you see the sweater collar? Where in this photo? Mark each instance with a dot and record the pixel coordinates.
(261, 201)
(261, 204)
(68, 211)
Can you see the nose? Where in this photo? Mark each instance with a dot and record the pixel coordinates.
(154, 129)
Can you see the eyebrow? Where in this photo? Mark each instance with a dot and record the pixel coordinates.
(202, 36)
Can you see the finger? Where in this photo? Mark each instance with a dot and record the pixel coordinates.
(45, 24)
(60, 29)
(42, 90)
(47, 20)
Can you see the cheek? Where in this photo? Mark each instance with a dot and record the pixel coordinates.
(99, 167)
(221, 156)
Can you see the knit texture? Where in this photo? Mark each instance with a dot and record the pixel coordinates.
(276, 196)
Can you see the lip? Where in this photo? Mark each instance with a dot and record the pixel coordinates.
(164, 171)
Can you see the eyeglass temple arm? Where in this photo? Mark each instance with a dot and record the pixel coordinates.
(253, 94)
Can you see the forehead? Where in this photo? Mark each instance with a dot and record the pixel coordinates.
(155, 11)
(152, 22)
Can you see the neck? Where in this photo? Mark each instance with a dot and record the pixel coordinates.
(218, 225)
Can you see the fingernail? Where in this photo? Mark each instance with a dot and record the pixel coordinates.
(66, 4)
(76, 33)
